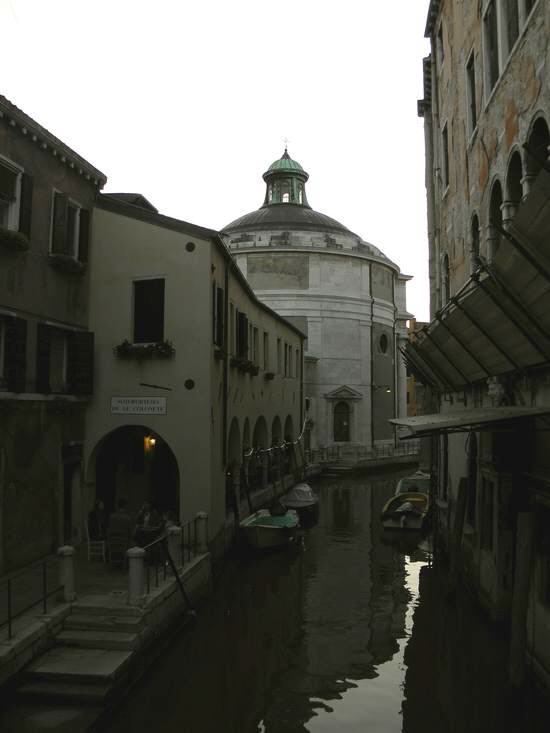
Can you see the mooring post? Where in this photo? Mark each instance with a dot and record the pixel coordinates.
(202, 532)
(174, 545)
(136, 575)
(520, 600)
(66, 572)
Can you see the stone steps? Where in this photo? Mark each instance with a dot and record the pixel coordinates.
(97, 622)
(75, 665)
(98, 639)
(51, 690)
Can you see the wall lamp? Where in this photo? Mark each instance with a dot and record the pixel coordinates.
(385, 387)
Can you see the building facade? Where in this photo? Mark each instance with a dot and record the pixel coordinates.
(343, 293)
(194, 375)
(486, 352)
(47, 192)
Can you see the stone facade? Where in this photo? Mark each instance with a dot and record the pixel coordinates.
(46, 350)
(347, 298)
(176, 428)
(486, 111)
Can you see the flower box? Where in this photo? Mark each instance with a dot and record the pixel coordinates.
(14, 241)
(156, 350)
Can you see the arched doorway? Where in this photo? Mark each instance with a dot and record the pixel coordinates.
(276, 431)
(134, 463)
(341, 422)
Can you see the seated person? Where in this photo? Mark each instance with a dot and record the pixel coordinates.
(148, 524)
(120, 522)
(97, 521)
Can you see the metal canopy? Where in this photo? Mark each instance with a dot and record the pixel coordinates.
(483, 418)
(500, 320)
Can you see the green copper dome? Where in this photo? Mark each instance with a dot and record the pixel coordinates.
(285, 164)
(285, 179)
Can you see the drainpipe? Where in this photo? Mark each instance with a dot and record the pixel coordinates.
(371, 359)
(225, 347)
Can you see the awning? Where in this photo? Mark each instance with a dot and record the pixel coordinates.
(500, 320)
(459, 421)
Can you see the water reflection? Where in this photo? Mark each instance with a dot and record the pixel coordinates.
(349, 632)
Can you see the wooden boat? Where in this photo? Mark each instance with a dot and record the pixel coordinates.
(264, 530)
(303, 500)
(406, 511)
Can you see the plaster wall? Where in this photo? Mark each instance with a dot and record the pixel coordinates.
(125, 249)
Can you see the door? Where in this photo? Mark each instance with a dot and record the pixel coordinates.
(341, 422)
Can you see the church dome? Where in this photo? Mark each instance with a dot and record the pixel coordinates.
(285, 205)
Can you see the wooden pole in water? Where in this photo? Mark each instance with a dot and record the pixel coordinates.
(520, 599)
(458, 528)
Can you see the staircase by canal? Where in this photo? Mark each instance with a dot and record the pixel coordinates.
(91, 655)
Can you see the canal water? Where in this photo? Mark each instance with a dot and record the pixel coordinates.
(347, 633)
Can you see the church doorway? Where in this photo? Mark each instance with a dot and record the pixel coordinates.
(134, 463)
(341, 422)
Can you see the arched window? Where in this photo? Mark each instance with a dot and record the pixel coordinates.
(445, 280)
(514, 191)
(537, 147)
(474, 243)
(495, 220)
(341, 422)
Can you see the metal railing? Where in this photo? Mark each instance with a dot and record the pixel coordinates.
(24, 589)
(157, 564)
(329, 454)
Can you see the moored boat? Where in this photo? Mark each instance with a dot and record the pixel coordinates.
(303, 500)
(264, 530)
(406, 511)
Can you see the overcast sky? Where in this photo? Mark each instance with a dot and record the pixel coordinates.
(189, 102)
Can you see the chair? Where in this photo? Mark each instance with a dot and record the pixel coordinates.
(117, 542)
(97, 549)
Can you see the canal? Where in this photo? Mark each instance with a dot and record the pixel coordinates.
(345, 633)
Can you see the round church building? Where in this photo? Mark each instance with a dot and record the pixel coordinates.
(344, 294)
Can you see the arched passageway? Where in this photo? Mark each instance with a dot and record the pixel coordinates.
(276, 431)
(134, 463)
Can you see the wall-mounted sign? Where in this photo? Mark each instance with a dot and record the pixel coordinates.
(138, 405)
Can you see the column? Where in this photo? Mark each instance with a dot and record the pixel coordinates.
(66, 572)
(136, 575)
(202, 532)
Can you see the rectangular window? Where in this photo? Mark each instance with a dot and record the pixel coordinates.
(220, 320)
(487, 501)
(242, 335)
(512, 22)
(297, 375)
(471, 93)
(13, 353)
(445, 156)
(279, 357)
(148, 311)
(64, 360)
(440, 46)
(266, 351)
(231, 329)
(490, 34)
(70, 228)
(255, 354)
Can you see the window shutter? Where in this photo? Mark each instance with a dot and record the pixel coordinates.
(80, 363)
(43, 358)
(243, 336)
(84, 235)
(15, 360)
(219, 317)
(214, 312)
(25, 206)
(59, 230)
